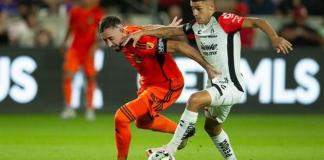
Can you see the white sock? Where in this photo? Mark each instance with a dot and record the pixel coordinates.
(187, 120)
(223, 145)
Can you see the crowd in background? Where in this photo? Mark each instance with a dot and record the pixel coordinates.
(43, 23)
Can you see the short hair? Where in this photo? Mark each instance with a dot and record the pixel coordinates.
(108, 22)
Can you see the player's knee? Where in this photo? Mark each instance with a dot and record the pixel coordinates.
(121, 118)
(195, 102)
(213, 130)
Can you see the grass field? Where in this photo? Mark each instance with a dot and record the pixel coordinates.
(254, 137)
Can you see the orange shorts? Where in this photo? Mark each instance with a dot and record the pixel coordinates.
(150, 102)
(73, 61)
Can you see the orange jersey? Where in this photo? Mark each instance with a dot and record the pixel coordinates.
(154, 68)
(83, 25)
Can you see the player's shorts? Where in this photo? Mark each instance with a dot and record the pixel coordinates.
(224, 96)
(150, 102)
(74, 61)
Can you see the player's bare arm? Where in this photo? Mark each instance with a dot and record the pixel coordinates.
(65, 41)
(175, 23)
(280, 43)
(186, 50)
(162, 32)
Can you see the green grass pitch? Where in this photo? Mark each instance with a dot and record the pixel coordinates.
(253, 136)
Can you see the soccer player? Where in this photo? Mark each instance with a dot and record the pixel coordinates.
(218, 39)
(161, 81)
(80, 54)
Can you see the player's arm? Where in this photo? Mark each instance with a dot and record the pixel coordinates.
(161, 32)
(281, 44)
(188, 51)
(175, 23)
(94, 47)
(64, 44)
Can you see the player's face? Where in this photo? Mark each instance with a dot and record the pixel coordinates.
(203, 10)
(113, 37)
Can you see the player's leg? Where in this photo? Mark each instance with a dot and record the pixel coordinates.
(158, 123)
(90, 73)
(123, 118)
(216, 115)
(70, 67)
(133, 110)
(219, 138)
(91, 86)
(186, 126)
(160, 99)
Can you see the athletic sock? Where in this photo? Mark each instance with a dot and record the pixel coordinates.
(186, 124)
(223, 145)
(122, 134)
(91, 86)
(67, 89)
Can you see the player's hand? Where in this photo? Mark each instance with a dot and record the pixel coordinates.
(175, 22)
(282, 45)
(133, 36)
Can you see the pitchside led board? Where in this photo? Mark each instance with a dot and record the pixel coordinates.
(31, 81)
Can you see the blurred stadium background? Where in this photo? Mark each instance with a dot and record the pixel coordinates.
(280, 117)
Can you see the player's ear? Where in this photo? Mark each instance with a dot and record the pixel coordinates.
(211, 7)
(122, 30)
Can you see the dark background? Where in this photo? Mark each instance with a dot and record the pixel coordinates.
(117, 81)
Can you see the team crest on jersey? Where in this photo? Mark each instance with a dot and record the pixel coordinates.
(89, 20)
(149, 45)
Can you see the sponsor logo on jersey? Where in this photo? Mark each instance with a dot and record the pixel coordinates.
(209, 47)
(209, 36)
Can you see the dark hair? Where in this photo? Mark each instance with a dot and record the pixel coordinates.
(107, 22)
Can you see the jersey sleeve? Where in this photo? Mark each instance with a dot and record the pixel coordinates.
(187, 29)
(229, 22)
(149, 45)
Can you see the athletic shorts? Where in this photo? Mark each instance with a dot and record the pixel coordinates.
(74, 61)
(224, 96)
(150, 102)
